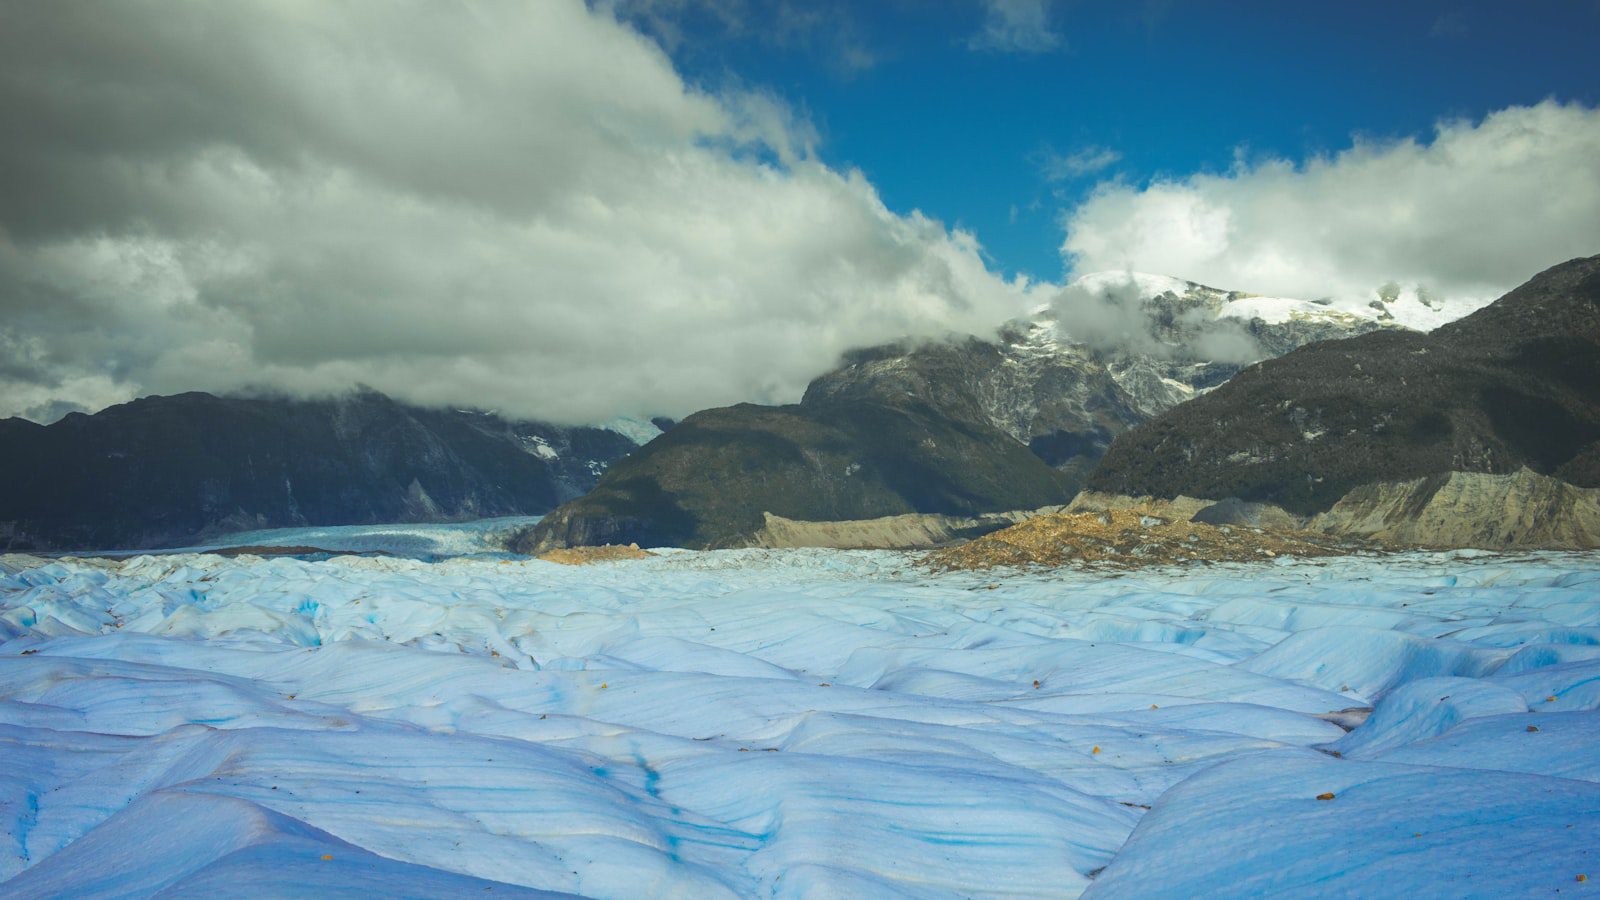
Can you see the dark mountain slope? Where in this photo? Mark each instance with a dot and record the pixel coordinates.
(707, 482)
(170, 470)
(1515, 384)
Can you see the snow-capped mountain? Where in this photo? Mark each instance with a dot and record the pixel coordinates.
(1406, 306)
(1512, 385)
(1109, 351)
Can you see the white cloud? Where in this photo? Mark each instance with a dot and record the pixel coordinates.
(511, 206)
(1083, 161)
(1466, 216)
(1015, 26)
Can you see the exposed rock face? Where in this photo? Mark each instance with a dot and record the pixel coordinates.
(1514, 384)
(710, 480)
(170, 470)
(1060, 402)
(1470, 509)
(912, 531)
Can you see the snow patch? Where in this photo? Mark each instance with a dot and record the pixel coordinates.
(640, 431)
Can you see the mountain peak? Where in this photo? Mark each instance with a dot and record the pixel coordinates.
(1562, 301)
(1513, 384)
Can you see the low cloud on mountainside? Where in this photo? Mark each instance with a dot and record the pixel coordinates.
(1110, 317)
(1473, 212)
(518, 206)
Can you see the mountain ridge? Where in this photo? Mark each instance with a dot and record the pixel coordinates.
(168, 470)
(985, 426)
(1513, 384)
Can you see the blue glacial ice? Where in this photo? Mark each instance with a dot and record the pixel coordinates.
(803, 723)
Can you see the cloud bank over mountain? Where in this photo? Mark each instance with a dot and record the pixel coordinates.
(513, 206)
(1467, 215)
(527, 207)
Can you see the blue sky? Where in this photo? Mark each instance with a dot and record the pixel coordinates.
(999, 139)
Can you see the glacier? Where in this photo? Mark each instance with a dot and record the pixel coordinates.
(414, 540)
(797, 723)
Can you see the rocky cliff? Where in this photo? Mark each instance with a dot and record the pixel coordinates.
(1470, 509)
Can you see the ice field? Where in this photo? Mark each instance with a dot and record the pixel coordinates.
(804, 723)
(428, 541)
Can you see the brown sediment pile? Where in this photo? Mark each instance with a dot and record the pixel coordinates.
(581, 556)
(1128, 539)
